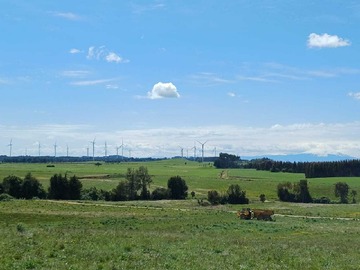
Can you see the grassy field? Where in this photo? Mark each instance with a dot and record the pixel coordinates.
(176, 234)
(199, 177)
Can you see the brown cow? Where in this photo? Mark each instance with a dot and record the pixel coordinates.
(247, 213)
(263, 214)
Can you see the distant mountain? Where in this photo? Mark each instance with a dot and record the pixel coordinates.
(302, 157)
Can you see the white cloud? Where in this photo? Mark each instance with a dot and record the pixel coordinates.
(208, 78)
(91, 82)
(326, 41)
(231, 94)
(102, 53)
(67, 15)
(320, 139)
(112, 86)
(163, 90)
(113, 57)
(354, 95)
(75, 73)
(74, 51)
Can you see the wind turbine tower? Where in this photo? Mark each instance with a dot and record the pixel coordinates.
(194, 152)
(182, 151)
(10, 146)
(87, 151)
(122, 150)
(39, 149)
(105, 149)
(55, 146)
(202, 150)
(93, 148)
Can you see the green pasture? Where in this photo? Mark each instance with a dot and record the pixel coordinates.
(42, 234)
(174, 235)
(199, 177)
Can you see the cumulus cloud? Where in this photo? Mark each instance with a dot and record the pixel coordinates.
(354, 95)
(113, 57)
(163, 90)
(102, 53)
(326, 41)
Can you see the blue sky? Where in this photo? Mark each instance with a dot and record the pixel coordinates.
(250, 77)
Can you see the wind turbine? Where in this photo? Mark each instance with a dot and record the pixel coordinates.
(194, 151)
(67, 150)
(105, 149)
(87, 151)
(55, 146)
(10, 146)
(182, 151)
(202, 150)
(93, 148)
(39, 148)
(122, 150)
(215, 151)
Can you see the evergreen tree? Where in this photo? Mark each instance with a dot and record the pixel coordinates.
(75, 187)
(177, 188)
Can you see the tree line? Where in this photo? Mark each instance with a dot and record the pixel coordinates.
(299, 192)
(346, 168)
(135, 187)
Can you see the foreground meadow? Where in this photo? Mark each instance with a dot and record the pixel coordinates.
(174, 235)
(43, 234)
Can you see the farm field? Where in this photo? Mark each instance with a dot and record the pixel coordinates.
(199, 177)
(43, 234)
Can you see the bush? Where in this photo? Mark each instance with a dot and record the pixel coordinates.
(12, 185)
(214, 197)
(297, 192)
(177, 188)
(4, 197)
(324, 200)
(342, 191)
(94, 194)
(121, 192)
(236, 195)
(160, 193)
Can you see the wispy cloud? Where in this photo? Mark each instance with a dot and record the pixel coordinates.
(163, 90)
(326, 41)
(208, 78)
(355, 95)
(75, 51)
(91, 82)
(67, 15)
(75, 73)
(275, 72)
(102, 53)
(260, 78)
(142, 8)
